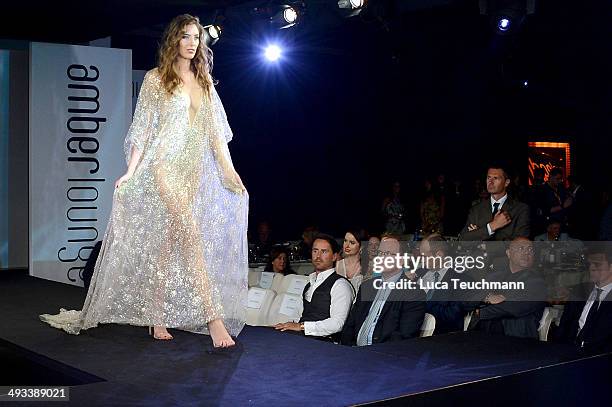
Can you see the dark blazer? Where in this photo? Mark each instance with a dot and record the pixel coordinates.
(480, 214)
(447, 306)
(520, 314)
(597, 336)
(401, 316)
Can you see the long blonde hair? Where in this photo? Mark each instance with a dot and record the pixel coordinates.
(201, 64)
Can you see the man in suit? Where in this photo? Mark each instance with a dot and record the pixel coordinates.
(327, 296)
(514, 312)
(587, 317)
(385, 314)
(499, 218)
(445, 304)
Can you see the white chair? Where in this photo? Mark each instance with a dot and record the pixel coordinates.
(277, 283)
(466, 321)
(429, 325)
(547, 318)
(285, 308)
(293, 284)
(254, 277)
(258, 306)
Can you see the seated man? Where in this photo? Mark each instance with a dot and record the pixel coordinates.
(327, 297)
(445, 304)
(514, 311)
(587, 317)
(384, 314)
(553, 233)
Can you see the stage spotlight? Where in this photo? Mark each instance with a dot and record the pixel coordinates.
(507, 16)
(503, 24)
(288, 16)
(273, 53)
(212, 33)
(351, 8)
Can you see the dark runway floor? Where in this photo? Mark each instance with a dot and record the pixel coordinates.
(121, 365)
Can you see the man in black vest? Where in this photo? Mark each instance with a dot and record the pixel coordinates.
(385, 309)
(587, 317)
(327, 297)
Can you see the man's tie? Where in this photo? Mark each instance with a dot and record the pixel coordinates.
(495, 209)
(430, 293)
(590, 315)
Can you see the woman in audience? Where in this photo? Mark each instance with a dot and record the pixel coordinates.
(432, 209)
(279, 261)
(350, 265)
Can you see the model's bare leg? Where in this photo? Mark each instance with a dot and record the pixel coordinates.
(179, 205)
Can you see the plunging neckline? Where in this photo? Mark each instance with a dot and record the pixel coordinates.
(191, 121)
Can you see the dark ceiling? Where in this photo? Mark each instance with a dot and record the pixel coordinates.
(82, 21)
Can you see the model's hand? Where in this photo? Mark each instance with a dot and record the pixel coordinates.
(233, 182)
(501, 219)
(288, 326)
(125, 177)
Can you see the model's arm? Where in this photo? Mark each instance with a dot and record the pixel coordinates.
(220, 135)
(143, 124)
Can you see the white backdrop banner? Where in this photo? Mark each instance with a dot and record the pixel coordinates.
(80, 111)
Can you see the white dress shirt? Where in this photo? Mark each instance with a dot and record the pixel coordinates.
(587, 307)
(501, 202)
(341, 301)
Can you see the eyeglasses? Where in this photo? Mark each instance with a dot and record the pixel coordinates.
(524, 249)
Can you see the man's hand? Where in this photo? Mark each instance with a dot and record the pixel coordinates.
(494, 299)
(472, 227)
(288, 326)
(501, 219)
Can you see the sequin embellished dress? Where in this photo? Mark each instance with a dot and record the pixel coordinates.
(175, 250)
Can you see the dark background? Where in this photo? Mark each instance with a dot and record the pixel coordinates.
(357, 103)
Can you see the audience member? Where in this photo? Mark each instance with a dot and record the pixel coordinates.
(534, 199)
(587, 317)
(499, 218)
(327, 297)
(553, 233)
(555, 199)
(514, 312)
(394, 211)
(264, 240)
(307, 238)
(446, 305)
(432, 209)
(382, 313)
(350, 265)
(372, 249)
(279, 261)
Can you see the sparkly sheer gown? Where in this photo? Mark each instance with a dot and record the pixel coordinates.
(175, 252)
